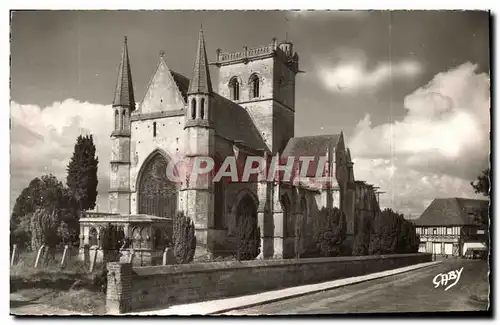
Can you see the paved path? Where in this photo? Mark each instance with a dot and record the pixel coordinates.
(227, 304)
(407, 292)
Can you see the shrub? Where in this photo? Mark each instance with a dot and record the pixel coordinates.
(403, 244)
(299, 237)
(113, 240)
(412, 240)
(391, 233)
(362, 238)
(384, 233)
(229, 258)
(249, 239)
(330, 238)
(184, 239)
(100, 279)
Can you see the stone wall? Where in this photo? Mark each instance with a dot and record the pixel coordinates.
(157, 287)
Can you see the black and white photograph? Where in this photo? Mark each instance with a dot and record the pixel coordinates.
(250, 162)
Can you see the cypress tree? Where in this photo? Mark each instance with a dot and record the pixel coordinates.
(82, 173)
(249, 238)
(333, 232)
(184, 239)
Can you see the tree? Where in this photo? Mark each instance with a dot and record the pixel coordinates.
(408, 241)
(362, 238)
(482, 184)
(384, 233)
(330, 238)
(82, 173)
(391, 233)
(249, 238)
(299, 237)
(184, 239)
(26, 203)
(46, 193)
(482, 215)
(44, 226)
(413, 239)
(403, 236)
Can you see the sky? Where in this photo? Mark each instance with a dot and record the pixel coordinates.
(409, 89)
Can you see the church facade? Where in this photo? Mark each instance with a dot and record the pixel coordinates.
(249, 113)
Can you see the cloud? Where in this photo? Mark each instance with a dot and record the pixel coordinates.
(42, 140)
(437, 149)
(351, 73)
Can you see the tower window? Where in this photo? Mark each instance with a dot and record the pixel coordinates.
(202, 108)
(193, 108)
(234, 88)
(117, 120)
(154, 129)
(123, 119)
(254, 86)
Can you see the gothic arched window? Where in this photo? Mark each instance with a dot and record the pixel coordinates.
(123, 119)
(234, 88)
(254, 86)
(193, 108)
(202, 108)
(117, 120)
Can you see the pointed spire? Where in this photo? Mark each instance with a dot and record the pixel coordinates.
(348, 154)
(201, 82)
(124, 92)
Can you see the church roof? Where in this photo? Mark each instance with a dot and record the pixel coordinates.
(182, 83)
(201, 83)
(451, 212)
(233, 122)
(124, 91)
(316, 145)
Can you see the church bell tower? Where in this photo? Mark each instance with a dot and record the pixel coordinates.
(123, 105)
(197, 193)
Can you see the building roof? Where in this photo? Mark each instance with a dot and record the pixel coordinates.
(182, 83)
(311, 146)
(201, 83)
(233, 122)
(451, 212)
(315, 146)
(124, 91)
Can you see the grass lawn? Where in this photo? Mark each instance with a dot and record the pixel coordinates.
(73, 288)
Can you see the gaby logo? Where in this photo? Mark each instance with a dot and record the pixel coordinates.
(442, 279)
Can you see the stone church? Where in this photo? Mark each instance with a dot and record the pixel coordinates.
(250, 112)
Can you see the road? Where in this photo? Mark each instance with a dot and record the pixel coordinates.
(408, 292)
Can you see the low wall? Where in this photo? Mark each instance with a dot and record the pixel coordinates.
(157, 287)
